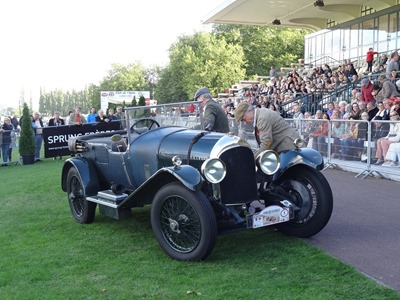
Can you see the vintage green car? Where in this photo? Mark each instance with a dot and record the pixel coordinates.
(199, 183)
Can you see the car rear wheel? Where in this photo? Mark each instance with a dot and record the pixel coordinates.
(183, 222)
(82, 210)
(310, 192)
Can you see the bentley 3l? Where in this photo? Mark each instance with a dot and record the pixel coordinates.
(199, 183)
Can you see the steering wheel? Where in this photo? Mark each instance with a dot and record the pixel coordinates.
(146, 121)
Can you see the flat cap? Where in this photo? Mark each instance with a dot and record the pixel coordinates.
(240, 110)
(364, 81)
(199, 92)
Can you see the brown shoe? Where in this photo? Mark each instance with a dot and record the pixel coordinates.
(379, 162)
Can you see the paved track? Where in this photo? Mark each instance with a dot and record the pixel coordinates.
(364, 230)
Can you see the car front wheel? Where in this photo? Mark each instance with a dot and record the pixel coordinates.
(311, 193)
(82, 210)
(183, 222)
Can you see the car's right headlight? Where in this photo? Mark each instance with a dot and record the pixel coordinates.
(268, 161)
(214, 170)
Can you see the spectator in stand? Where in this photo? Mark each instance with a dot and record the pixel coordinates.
(319, 134)
(388, 89)
(272, 107)
(381, 110)
(398, 86)
(37, 126)
(330, 108)
(342, 109)
(337, 133)
(379, 129)
(370, 58)
(394, 76)
(306, 127)
(393, 155)
(297, 116)
(6, 129)
(77, 118)
(392, 137)
(366, 91)
(372, 110)
(91, 118)
(355, 111)
(350, 71)
(382, 61)
(101, 118)
(387, 104)
(361, 137)
(347, 139)
(272, 72)
(56, 120)
(393, 65)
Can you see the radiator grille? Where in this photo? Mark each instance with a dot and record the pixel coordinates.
(239, 185)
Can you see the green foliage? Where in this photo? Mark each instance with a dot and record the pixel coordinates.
(134, 102)
(124, 78)
(199, 60)
(27, 139)
(142, 101)
(264, 46)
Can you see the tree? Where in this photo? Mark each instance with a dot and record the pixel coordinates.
(142, 101)
(199, 60)
(27, 140)
(264, 46)
(124, 78)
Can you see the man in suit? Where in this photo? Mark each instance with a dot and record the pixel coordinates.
(215, 118)
(272, 131)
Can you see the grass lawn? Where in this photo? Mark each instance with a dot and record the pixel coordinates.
(45, 254)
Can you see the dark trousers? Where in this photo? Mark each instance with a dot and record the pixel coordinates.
(369, 68)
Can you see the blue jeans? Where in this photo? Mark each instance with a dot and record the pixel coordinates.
(38, 145)
(4, 150)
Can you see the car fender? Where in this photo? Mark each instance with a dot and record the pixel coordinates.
(189, 176)
(305, 156)
(86, 172)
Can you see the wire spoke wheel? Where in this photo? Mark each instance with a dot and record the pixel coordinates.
(183, 222)
(180, 224)
(82, 210)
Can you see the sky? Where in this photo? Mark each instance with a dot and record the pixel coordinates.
(67, 45)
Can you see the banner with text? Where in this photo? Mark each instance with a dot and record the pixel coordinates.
(55, 138)
(118, 97)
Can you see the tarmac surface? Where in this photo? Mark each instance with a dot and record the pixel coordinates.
(364, 230)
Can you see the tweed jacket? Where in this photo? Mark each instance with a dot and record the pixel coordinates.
(271, 127)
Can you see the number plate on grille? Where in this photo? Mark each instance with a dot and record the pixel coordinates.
(270, 215)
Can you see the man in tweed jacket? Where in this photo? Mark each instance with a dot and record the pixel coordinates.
(272, 131)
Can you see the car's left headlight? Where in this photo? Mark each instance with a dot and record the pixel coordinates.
(268, 161)
(214, 170)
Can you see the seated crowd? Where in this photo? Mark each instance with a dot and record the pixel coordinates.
(369, 100)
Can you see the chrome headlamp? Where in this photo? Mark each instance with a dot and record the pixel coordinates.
(268, 161)
(298, 143)
(214, 170)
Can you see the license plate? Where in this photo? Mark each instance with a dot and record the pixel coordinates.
(270, 215)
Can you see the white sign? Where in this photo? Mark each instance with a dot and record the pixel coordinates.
(118, 97)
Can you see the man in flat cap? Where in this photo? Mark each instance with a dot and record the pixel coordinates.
(215, 118)
(272, 131)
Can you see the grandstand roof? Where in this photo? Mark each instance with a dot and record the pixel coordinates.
(293, 13)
